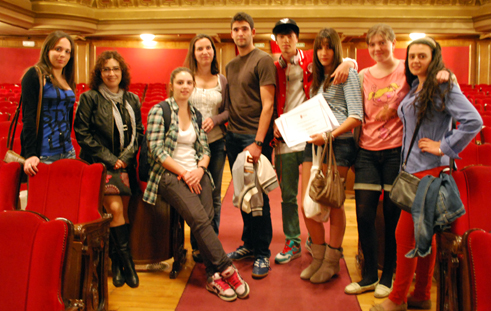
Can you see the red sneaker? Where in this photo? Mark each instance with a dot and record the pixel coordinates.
(222, 289)
(232, 277)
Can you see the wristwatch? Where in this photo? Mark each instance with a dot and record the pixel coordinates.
(259, 143)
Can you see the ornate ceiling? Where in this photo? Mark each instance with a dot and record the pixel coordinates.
(181, 18)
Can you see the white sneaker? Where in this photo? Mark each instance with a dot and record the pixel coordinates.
(221, 288)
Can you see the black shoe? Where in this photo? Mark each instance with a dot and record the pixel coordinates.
(122, 237)
(116, 267)
(197, 256)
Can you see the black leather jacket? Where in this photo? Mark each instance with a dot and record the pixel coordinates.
(94, 129)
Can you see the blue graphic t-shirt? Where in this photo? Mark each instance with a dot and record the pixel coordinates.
(55, 119)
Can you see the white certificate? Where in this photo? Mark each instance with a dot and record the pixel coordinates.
(312, 117)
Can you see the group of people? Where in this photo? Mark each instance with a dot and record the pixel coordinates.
(187, 145)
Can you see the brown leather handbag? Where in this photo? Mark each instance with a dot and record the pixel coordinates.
(328, 189)
(11, 155)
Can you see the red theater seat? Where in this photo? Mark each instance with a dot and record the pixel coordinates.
(474, 184)
(4, 116)
(476, 271)
(475, 154)
(73, 189)
(486, 135)
(33, 262)
(10, 181)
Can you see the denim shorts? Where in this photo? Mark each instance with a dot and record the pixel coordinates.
(344, 152)
(377, 170)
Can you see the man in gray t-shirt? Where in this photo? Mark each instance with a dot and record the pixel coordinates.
(251, 81)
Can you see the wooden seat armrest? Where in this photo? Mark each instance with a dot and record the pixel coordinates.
(450, 242)
(449, 251)
(96, 228)
(74, 305)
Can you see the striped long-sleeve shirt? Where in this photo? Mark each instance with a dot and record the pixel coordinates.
(162, 145)
(345, 100)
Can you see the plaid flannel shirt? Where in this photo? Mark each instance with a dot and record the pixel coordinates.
(162, 145)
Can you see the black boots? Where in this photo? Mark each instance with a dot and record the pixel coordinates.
(116, 267)
(123, 268)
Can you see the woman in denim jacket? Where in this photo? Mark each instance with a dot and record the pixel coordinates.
(434, 106)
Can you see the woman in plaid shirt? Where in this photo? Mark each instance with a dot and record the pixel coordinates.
(179, 158)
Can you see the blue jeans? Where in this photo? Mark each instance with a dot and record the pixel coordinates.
(217, 162)
(50, 159)
(258, 230)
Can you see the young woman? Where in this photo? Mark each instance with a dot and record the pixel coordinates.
(378, 159)
(50, 140)
(346, 103)
(179, 159)
(433, 106)
(209, 98)
(109, 130)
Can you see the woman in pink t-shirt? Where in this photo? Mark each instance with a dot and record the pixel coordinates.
(378, 160)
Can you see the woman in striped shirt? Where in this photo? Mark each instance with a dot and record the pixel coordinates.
(345, 102)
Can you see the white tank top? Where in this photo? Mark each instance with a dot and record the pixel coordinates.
(185, 154)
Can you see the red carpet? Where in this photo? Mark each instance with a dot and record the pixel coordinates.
(282, 289)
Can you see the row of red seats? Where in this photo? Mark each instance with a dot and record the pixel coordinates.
(77, 273)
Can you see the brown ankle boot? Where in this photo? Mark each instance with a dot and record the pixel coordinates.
(318, 252)
(329, 267)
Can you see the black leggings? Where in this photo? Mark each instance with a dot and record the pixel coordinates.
(366, 212)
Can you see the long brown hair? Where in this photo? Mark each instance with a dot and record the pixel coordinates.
(191, 61)
(96, 75)
(425, 100)
(329, 37)
(45, 64)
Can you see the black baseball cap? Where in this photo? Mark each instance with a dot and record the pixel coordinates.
(286, 24)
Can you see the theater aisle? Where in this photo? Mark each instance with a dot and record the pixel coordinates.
(158, 292)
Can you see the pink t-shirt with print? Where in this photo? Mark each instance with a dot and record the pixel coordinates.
(382, 128)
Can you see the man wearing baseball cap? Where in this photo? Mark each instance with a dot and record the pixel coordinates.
(293, 79)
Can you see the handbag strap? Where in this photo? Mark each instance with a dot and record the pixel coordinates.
(416, 130)
(331, 159)
(15, 120)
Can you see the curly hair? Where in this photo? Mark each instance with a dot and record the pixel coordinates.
(329, 37)
(425, 100)
(96, 75)
(173, 75)
(191, 61)
(45, 64)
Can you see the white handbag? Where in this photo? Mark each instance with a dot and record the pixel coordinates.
(312, 209)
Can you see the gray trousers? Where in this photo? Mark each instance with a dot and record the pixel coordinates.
(198, 212)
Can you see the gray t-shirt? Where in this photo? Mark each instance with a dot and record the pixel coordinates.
(246, 74)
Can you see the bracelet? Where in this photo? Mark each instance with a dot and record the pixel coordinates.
(204, 168)
(182, 175)
(324, 136)
(440, 153)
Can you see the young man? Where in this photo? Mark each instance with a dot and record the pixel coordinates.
(252, 78)
(293, 79)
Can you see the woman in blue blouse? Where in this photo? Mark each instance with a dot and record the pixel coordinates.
(433, 105)
(346, 103)
(49, 140)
